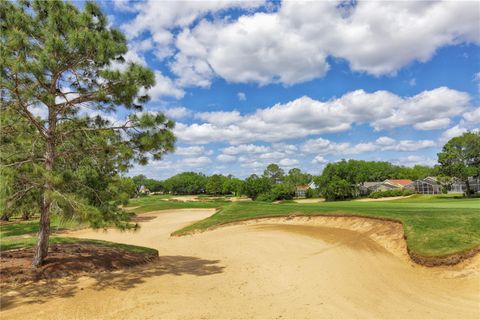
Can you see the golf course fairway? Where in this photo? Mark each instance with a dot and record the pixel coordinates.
(270, 269)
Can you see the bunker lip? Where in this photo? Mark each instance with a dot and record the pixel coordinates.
(402, 248)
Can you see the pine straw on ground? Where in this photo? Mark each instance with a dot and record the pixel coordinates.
(67, 260)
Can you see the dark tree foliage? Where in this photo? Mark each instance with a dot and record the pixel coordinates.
(460, 158)
(296, 177)
(274, 173)
(339, 189)
(214, 184)
(186, 183)
(151, 184)
(232, 185)
(279, 191)
(254, 186)
(59, 59)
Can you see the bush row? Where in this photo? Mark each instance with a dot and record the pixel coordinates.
(390, 193)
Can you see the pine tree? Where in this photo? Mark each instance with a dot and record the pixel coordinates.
(67, 62)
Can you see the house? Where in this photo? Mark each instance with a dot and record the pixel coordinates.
(143, 190)
(459, 186)
(301, 190)
(399, 183)
(391, 184)
(312, 185)
(429, 185)
(368, 186)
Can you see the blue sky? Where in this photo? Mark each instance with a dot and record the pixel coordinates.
(306, 83)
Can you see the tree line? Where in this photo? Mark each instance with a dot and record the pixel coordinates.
(272, 181)
(459, 158)
(338, 180)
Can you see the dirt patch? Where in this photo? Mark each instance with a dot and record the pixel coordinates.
(185, 198)
(448, 260)
(142, 218)
(66, 260)
(309, 200)
(383, 199)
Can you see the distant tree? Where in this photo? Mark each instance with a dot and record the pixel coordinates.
(415, 173)
(274, 173)
(151, 184)
(214, 184)
(254, 185)
(339, 189)
(279, 191)
(296, 177)
(139, 180)
(232, 185)
(460, 158)
(186, 183)
(58, 58)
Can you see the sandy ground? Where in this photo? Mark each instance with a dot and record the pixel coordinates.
(313, 200)
(382, 199)
(289, 269)
(184, 198)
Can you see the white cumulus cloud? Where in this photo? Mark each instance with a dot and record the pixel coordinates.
(305, 116)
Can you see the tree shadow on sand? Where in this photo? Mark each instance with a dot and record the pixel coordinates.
(41, 291)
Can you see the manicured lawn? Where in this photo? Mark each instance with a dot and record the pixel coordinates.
(7, 244)
(160, 202)
(31, 227)
(434, 225)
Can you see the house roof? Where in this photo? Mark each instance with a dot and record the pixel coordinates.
(369, 184)
(428, 180)
(401, 182)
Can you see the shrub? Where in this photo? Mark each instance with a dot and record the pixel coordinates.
(390, 193)
(278, 192)
(312, 193)
(339, 189)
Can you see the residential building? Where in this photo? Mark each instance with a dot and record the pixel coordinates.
(368, 186)
(301, 190)
(429, 185)
(459, 186)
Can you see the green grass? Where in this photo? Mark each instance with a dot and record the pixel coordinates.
(6, 244)
(31, 227)
(434, 225)
(158, 202)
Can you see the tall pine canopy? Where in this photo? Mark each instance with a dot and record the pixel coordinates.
(63, 76)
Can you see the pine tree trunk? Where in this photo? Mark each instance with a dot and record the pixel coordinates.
(41, 250)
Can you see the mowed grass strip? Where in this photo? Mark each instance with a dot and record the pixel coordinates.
(7, 244)
(161, 202)
(434, 225)
(19, 228)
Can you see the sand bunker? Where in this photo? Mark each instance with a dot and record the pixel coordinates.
(314, 200)
(271, 269)
(382, 199)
